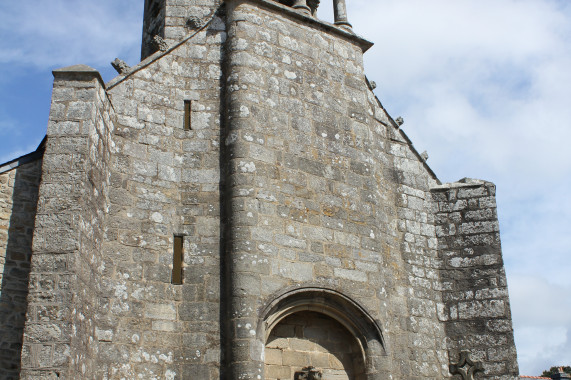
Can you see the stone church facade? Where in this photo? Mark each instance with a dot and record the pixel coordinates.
(239, 205)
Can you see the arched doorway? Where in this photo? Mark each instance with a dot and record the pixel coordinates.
(311, 339)
(321, 328)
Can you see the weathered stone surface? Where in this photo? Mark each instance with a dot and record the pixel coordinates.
(465, 367)
(475, 298)
(18, 203)
(293, 186)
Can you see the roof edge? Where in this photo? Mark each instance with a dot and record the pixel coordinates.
(464, 182)
(397, 128)
(25, 159)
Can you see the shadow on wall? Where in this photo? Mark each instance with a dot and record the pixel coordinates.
(16, 271)
(310, 339)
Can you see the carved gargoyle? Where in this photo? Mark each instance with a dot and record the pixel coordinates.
(160, 44)
(194, 22)
(121, 66)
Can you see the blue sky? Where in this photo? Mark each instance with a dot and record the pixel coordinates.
(483, 85)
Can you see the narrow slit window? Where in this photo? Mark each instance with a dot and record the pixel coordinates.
(187, 115)
(178, 259)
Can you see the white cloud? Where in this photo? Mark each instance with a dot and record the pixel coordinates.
(483, 85)
(542, 320)
(540, 302)
(420, 39)
(493, 71)
(63, 32)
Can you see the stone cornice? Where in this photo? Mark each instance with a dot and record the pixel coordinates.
(323, 25)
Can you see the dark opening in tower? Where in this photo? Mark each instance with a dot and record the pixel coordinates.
(153, 25)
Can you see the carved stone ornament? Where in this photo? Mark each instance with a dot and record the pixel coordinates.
(120, 65)
(308, 373)
(194, 22)
(160, 43)
(466, 367)
(399, 120)
(313, 5)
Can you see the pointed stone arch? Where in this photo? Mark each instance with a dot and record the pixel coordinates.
(335, 305)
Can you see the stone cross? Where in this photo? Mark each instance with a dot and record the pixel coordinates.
(466, 367)
(308, 373)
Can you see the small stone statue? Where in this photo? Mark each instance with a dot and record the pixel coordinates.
(121, 66)
(399, 120)
(373, 84)
(424, 155)
(159, 43)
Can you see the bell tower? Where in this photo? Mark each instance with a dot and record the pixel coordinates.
(172, 20)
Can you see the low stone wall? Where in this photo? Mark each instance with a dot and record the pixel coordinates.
(475, 308)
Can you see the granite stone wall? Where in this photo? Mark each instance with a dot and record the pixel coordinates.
(476, 310)
(18, 202)
(426, 356)
(296, 196)
(165, 183)
(66, 276)
(324, 190)
(91, 288)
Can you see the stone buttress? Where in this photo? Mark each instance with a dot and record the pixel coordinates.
(66, 280)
